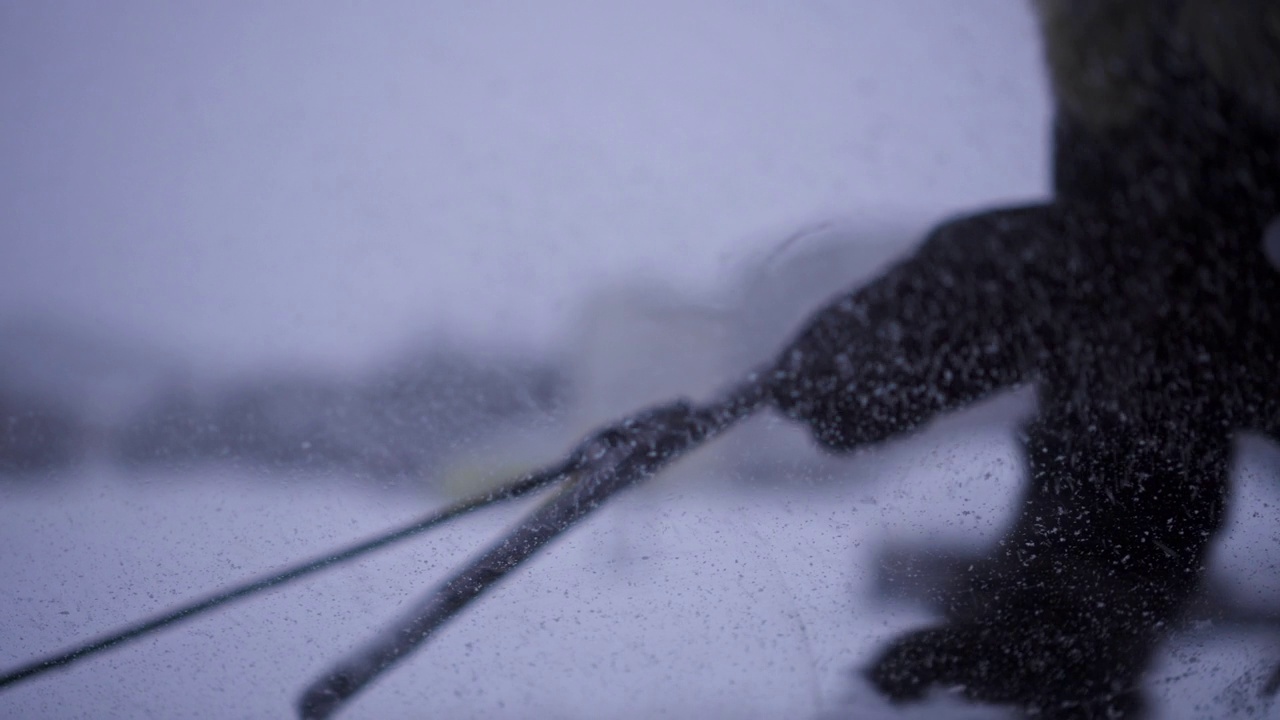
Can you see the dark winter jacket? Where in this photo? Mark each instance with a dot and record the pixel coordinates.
(1139, 302)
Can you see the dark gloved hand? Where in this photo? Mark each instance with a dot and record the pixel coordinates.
(945, 327)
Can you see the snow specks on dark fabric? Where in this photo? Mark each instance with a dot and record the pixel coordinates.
(1141, 304)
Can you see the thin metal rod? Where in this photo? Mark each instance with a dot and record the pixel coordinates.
(618, 457)
(517, 488)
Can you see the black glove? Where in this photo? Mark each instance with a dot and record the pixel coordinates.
(945, 327)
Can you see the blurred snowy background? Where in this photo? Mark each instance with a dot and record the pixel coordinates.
(275, 276)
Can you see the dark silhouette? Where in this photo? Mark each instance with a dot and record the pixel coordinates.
(1140, 304)
(68, 395)
(38, 438)
(400, 424)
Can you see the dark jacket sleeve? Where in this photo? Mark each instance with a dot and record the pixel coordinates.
(954, 322)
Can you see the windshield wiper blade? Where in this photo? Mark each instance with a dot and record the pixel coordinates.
(614, 459)
(517, 488)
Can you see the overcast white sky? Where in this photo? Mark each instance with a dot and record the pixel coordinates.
(292, 181)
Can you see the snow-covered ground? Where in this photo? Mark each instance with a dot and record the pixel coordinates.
(686, 598)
